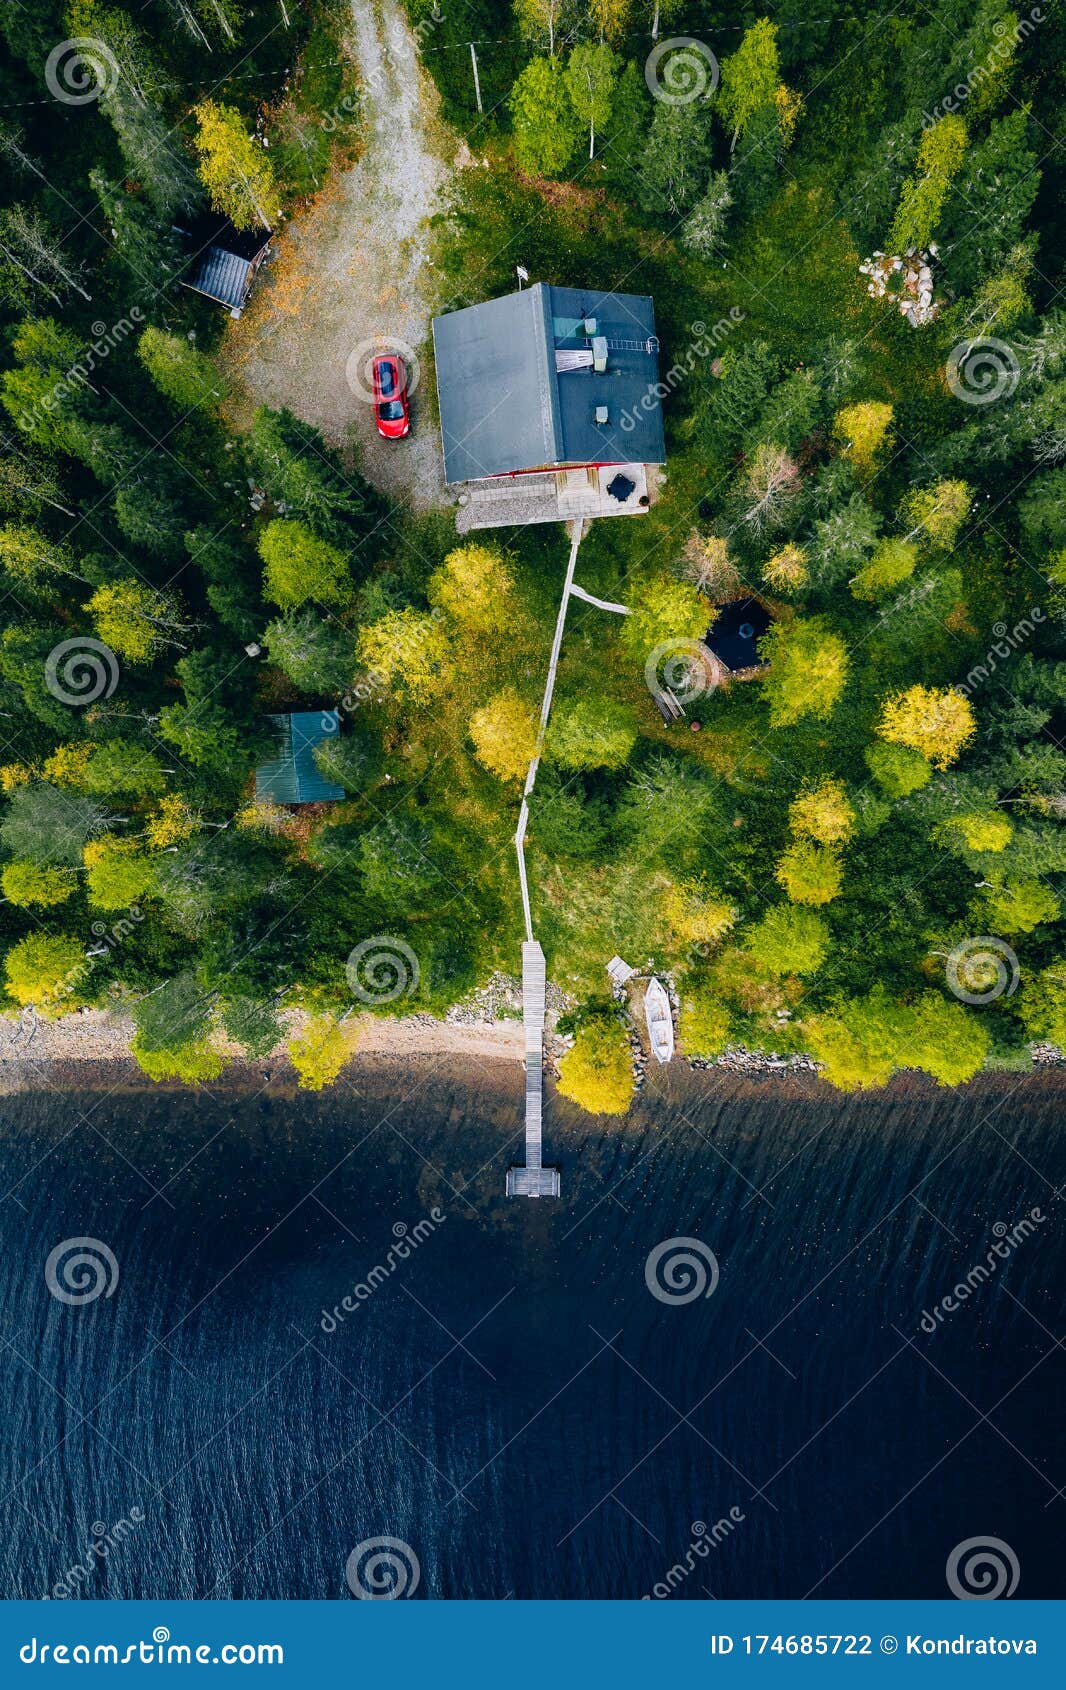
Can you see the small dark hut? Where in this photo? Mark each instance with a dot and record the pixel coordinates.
(223, 261)
(735, 635)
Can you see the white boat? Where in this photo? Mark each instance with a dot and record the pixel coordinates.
(660, 1021)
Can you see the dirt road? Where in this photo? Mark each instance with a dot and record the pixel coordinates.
(350, 276)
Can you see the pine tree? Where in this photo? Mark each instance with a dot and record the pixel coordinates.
(704, 230)
(545, 125)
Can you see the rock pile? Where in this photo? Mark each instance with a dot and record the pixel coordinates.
(500, 999)
(907, 281)
(1044, 1055)
(740, 1061)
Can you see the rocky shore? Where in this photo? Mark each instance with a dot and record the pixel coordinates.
(485, 1027)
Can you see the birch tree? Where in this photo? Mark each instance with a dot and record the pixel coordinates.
(590, 79)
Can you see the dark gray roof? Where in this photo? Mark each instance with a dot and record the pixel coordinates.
(222, 276)
(222, 259)
(505, 406)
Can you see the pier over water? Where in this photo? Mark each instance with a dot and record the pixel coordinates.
(534, 1180)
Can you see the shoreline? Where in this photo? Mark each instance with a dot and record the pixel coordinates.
(89, 1050)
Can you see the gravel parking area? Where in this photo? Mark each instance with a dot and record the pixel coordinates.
(351, 276)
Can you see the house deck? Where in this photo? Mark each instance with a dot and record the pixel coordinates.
(511, 501)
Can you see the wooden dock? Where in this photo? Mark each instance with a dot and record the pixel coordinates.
(533, 1180)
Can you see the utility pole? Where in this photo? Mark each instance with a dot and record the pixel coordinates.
(477, 80)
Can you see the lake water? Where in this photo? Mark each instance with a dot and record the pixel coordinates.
(512, 1401)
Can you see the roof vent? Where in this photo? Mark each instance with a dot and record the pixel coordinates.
(601, 414)
(590, 326)
(599, 353)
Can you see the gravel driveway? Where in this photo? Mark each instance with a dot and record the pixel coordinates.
(349, 277)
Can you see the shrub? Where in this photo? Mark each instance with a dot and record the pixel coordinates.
(188, 1063)
(704, 1026)
(788, 941)
(810, 874)
(597, 1073)
(696, 913)
(592, 733)
(319, 1053)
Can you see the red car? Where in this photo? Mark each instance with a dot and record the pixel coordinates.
(391, 409)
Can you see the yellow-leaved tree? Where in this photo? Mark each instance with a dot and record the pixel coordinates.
(47, 970)
(1017, 906)
(504, 732)
(938, 512)
(404, 652)
(234, 168)
(893, 562)
(786, 571)
(810, 873)
(135, 620)
(475, 587)
(610, 17)
(597, 1072)
(299, 566)
(119, 872)
(937, 722)
(66, 765)
(319, 1052)
(939, 157)
(171, 822)
(978, 830)
(863, 431)
(751, 81)
(808, 670)
(823, 813)
(27, 884)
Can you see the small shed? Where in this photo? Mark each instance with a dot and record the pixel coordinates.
(734, 637)
(292, 776)
(223, 261)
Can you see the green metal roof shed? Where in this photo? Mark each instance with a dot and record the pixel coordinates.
(292, 777)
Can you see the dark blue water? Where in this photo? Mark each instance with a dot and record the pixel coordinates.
(512, 1401)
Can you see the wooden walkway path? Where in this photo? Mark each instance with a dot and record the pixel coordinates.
(535, 1180)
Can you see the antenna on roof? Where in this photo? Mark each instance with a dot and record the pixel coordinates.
(522, 274)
